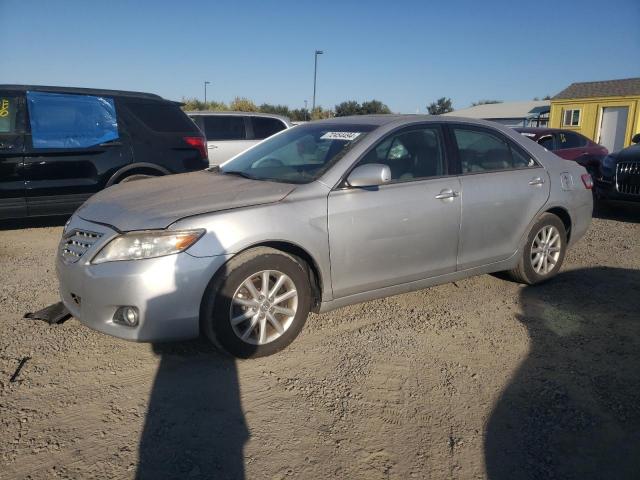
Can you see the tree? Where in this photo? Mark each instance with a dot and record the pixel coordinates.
(299, 115)
(320, 113)
(442, 105)
(485, 102)
(351, 107)
(193, 104)
(373, 106)
(242, 104)
(275, 109)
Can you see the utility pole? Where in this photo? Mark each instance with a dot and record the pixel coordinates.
(205, 90)
(306, 112)
(315, 76)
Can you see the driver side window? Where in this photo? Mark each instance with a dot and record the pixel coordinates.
(410, 155)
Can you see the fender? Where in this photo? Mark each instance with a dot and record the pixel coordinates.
(133, 166)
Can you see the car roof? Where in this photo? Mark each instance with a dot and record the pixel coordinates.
(541, 130)
(401, 119)
(208, 113)
(83, 91)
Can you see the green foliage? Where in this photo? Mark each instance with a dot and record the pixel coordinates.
(299, 115)
(351, 107)
(319, 113)
(193, 104)
(440, 106)
(485, 102)
(275, 109)
(242, 104)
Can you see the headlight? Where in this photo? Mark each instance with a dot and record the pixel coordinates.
(147, 244)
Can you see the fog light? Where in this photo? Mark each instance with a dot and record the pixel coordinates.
(126, 316)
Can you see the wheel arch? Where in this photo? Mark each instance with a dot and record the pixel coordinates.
(564, 215)
(139, 168)
(315, 276)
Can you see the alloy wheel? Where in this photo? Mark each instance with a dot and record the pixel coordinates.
(545, 249)
(263, 307)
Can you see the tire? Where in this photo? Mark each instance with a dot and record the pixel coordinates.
(255, 314)
(529, 270)
(134, 177)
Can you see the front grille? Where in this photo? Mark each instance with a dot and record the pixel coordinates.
(628, 178)
(76, 244)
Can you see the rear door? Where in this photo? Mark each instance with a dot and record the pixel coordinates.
(12, 118)
(502, 190)
(74, 144)
(227, 135)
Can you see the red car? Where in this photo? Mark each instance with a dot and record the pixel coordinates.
(568, 145)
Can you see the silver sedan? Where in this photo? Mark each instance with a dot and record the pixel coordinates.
(317, 217)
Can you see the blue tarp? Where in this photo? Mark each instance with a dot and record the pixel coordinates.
(60, 120)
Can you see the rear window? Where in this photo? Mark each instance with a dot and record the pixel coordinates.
(570, 140)
(265, 127)
(162, 117)
(224, 127)
(10, 113)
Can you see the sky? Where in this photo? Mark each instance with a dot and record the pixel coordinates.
(405, 53)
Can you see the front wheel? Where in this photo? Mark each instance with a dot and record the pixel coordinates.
(544, 251)
(258, 304)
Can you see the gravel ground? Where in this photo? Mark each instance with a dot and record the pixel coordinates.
(479, 379)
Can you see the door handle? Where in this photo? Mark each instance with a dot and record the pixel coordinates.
(536, 181)
(447, 193)
(212, 146)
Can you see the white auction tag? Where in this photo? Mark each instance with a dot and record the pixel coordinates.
(346, 136)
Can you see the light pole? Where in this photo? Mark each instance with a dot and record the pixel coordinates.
(305, 111)
(315, 75)
(205, 90)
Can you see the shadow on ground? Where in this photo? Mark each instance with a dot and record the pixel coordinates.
(622, 212)
(195, 426)
(36, 222)
(572, 410)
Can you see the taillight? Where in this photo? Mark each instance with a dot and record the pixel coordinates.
(199, 144)
(587, 181)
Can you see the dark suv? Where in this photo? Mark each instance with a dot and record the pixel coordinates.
(618, 176)
(60, 145)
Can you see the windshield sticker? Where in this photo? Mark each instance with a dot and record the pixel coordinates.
(346, 136)
(4, 108)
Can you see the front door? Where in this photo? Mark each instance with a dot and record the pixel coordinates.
(74, 145)
(613, 127)
(12, 201)
(502, 190)
(400, 232)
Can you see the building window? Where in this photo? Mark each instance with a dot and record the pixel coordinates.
(571, 118)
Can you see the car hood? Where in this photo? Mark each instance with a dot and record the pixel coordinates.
(159, 202)
(629, 154)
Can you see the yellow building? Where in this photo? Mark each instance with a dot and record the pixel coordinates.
(607, 112)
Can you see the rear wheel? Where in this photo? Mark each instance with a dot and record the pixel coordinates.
(544, 251)
(258, 304)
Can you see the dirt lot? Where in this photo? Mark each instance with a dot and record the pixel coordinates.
(479, 379)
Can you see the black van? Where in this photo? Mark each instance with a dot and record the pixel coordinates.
(59, 145)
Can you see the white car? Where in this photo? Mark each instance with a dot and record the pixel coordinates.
(229, 133)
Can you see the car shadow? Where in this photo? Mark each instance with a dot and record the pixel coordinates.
(36, 222)
(194, 426)
(572, 409)
(622, 212)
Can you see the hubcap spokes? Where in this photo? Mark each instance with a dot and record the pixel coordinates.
(545, 250)
(263, 307)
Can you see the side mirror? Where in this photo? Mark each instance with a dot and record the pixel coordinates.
(369, 175)
(636, 138)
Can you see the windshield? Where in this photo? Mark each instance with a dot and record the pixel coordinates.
(298, 155)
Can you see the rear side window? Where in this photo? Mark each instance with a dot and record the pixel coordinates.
(224, 127)
(570, 140)
(265, 127)
(11, 113)
(547, 142)
(481, 151)
(71, 121)
(162, 117)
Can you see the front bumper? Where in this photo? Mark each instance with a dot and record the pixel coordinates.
(167, 291)
(607, 191)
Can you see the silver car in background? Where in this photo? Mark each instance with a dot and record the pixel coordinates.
(317, 217)
(230, 133)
